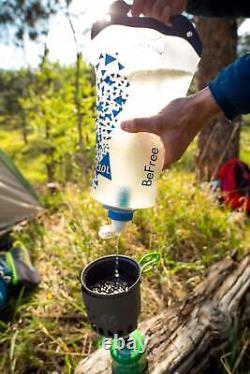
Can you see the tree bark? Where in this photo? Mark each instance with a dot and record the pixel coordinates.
(219, 140)
(24, 127)
(78, 101)
(187, 338)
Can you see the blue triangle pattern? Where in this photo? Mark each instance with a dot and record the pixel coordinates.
(109, 59)
(109, 81)
(99, 106)
(116, 112)
(119, 100)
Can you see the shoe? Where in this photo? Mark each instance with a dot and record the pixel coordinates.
(22, 271)
(5, 281)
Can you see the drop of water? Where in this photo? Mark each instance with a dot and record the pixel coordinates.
(107, 232)
(117, 273)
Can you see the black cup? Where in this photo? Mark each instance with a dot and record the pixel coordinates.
(116, 313)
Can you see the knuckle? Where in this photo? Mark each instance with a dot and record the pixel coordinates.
(158, 8)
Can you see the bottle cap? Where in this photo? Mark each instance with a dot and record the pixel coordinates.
(120, 215)
(119, 219)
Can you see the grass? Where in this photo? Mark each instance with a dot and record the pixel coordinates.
(245, 140)
(47, 331)
(28, 158)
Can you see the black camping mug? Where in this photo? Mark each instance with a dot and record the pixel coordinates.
(115, 313)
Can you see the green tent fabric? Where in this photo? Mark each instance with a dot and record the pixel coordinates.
(18, 201)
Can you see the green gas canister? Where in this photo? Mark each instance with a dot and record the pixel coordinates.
(128, 355)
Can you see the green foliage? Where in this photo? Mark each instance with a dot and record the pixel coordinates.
(245, 141)
(13, 85)
(18, 17)
(42, 105)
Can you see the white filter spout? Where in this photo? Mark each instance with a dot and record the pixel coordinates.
(110, 231)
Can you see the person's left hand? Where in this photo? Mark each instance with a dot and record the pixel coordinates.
(162, 10)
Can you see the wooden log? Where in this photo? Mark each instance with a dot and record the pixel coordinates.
(184, 339)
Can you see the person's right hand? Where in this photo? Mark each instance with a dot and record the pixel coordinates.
(178, 123)
(162, 10)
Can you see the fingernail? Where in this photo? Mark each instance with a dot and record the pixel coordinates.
(125, 125)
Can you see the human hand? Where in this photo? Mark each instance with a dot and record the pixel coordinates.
(162, 10)
(178, 123)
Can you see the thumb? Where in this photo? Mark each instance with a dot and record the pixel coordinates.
(147, 124)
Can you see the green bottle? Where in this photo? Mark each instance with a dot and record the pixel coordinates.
(130, 358)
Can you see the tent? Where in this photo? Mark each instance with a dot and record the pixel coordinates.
(18, 201)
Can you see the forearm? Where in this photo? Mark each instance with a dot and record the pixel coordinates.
(204, 108)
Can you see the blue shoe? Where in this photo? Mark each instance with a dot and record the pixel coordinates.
(22, 271)
(16, 270)
(5, 282)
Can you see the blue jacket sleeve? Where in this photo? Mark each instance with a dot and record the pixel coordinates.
(231, 88)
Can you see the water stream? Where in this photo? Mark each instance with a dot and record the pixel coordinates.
(114, 284)
(117, 257)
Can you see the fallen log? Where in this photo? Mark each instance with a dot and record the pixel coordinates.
(186, 338)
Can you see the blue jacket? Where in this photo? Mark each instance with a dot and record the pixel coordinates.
(231, 87)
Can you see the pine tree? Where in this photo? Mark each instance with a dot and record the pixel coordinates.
(219, 140)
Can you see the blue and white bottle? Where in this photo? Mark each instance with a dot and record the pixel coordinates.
(141, 65)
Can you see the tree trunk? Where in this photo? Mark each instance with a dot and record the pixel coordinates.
(219, 140)
(78, 100)
(81, 159)
(24, 128)
(187, 339)
(49, 152)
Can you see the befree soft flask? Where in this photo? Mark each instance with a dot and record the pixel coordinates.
(141, 65)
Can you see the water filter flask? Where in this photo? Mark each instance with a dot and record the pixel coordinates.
(141, 65)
